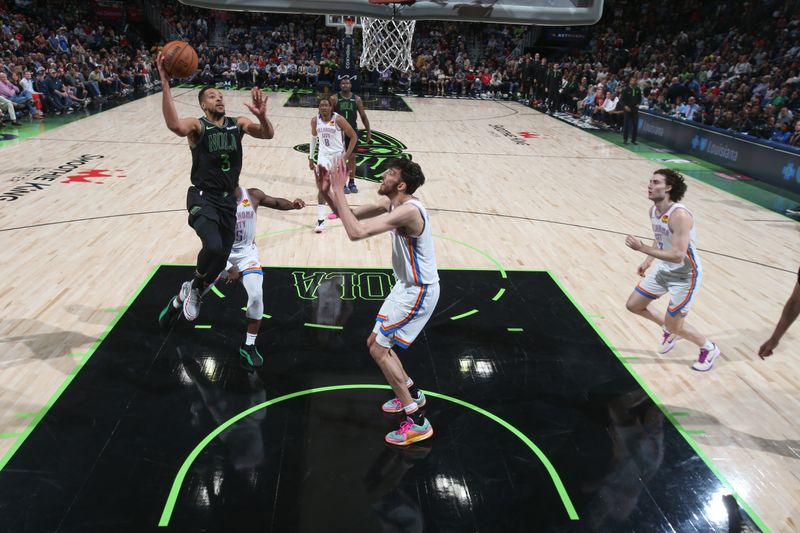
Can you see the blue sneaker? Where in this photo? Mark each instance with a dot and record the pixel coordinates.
(352, 187)
(409, 433)
(346, 190)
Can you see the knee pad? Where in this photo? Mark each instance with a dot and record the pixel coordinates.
(255, 298)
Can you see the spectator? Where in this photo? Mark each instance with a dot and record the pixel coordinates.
(781, 134)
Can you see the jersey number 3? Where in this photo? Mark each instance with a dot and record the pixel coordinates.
(226, 162)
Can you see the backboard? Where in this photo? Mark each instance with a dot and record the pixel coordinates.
(540, 12)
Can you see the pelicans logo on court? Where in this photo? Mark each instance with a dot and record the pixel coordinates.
(371, 158)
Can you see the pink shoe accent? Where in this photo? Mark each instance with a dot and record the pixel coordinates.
(332, 216)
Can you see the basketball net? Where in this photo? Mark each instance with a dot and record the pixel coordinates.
(387, 44)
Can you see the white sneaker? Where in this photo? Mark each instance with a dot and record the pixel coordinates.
(184, 292)
(706, 359)
(191, 305)
(667, 342)
(319, 228)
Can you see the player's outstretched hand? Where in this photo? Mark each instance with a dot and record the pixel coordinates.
(766, 349)
(160, 66)
(233, 275)
(323, 181)
(298, 203)
(633, 243)
(259, 105)
(338, 174)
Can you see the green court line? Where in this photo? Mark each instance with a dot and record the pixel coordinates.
(499, 294)
(9, 435)
(680, 413)
(76, 354)
(727, 484)
(514, 330)
(37, 417)
(169, 506)
(217, 291)
(629, 358)
(262, 316)
(27, 415)
(481, 252)
(202, 326)
(464, 315)
(322, 326)
(694, 431)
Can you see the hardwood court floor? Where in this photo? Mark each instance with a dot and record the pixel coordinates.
(75, 252)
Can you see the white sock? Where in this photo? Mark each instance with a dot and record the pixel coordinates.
(409, 382)
(175, 303)
(411, 408)
(321, 212)
(708, 345)
(251, 339)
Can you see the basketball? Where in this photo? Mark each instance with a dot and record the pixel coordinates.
(180, 59)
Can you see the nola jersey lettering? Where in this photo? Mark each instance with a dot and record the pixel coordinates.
(217, 156)
(347, 108)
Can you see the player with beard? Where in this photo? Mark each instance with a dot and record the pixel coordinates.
(216, 144)
(416, 292)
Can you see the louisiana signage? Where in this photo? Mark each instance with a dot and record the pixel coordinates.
(764, 161)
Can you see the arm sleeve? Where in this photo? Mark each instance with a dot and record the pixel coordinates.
(312, 145)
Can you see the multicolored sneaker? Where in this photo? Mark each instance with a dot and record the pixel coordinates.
(320, 227)
(706, 359)
(409, 433)
(668, 342)
(395, 405)
(251, 357)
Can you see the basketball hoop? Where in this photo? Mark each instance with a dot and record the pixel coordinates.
(387, 42)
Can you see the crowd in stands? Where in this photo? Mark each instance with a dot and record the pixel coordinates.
(730, 66)
(58, 57)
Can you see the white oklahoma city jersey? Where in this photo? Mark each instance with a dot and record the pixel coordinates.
(413, 258)
(331, 138)
(244, 254)
(663, 237)
(245, 221)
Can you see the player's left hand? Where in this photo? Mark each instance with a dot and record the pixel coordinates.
(633, 243)
(338, 173)
(766, 349)
(323, 182)
(233, 275)
(259, 105)
(298, 203)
